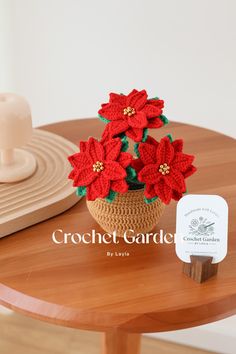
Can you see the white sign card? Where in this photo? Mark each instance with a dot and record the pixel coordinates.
(202, 227)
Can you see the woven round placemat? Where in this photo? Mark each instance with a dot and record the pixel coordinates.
(127, 211)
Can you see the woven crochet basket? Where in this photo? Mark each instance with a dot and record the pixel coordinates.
(127, 211)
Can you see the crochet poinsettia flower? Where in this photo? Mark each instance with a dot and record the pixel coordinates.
(163, 168)
(131, 114)
(100, 167)
(137, 163)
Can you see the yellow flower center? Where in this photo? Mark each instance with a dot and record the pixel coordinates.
(129, 111)
(98, 166)
(164, 169)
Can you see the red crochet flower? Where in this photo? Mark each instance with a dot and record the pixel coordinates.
(163, 167)
(137, 164)
(131, 114)
(100, 167)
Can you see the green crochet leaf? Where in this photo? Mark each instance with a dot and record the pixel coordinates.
(131, 174)
(104, 120)
(111, 196)
(151, 200)
(125, 143)
(145, 134)
(170, 137)
(164, 119)
(132, 179)
(136, 145)
(81, 191)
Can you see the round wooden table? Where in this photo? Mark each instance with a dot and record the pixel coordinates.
(79, 286)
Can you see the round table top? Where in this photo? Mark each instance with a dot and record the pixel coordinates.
(80, 286)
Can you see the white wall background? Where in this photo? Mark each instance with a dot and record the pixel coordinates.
(5, 48)
(66, 55)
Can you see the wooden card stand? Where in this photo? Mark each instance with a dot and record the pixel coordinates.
(200, 269)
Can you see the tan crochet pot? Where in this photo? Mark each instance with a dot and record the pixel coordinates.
(127, 211)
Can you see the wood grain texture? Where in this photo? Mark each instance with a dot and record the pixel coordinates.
(79, 286)
(46, 193)
(117, 342)
(200, 269)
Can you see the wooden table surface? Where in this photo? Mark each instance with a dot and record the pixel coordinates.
(79, 286)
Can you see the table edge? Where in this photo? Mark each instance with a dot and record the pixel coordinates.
(103, 321)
